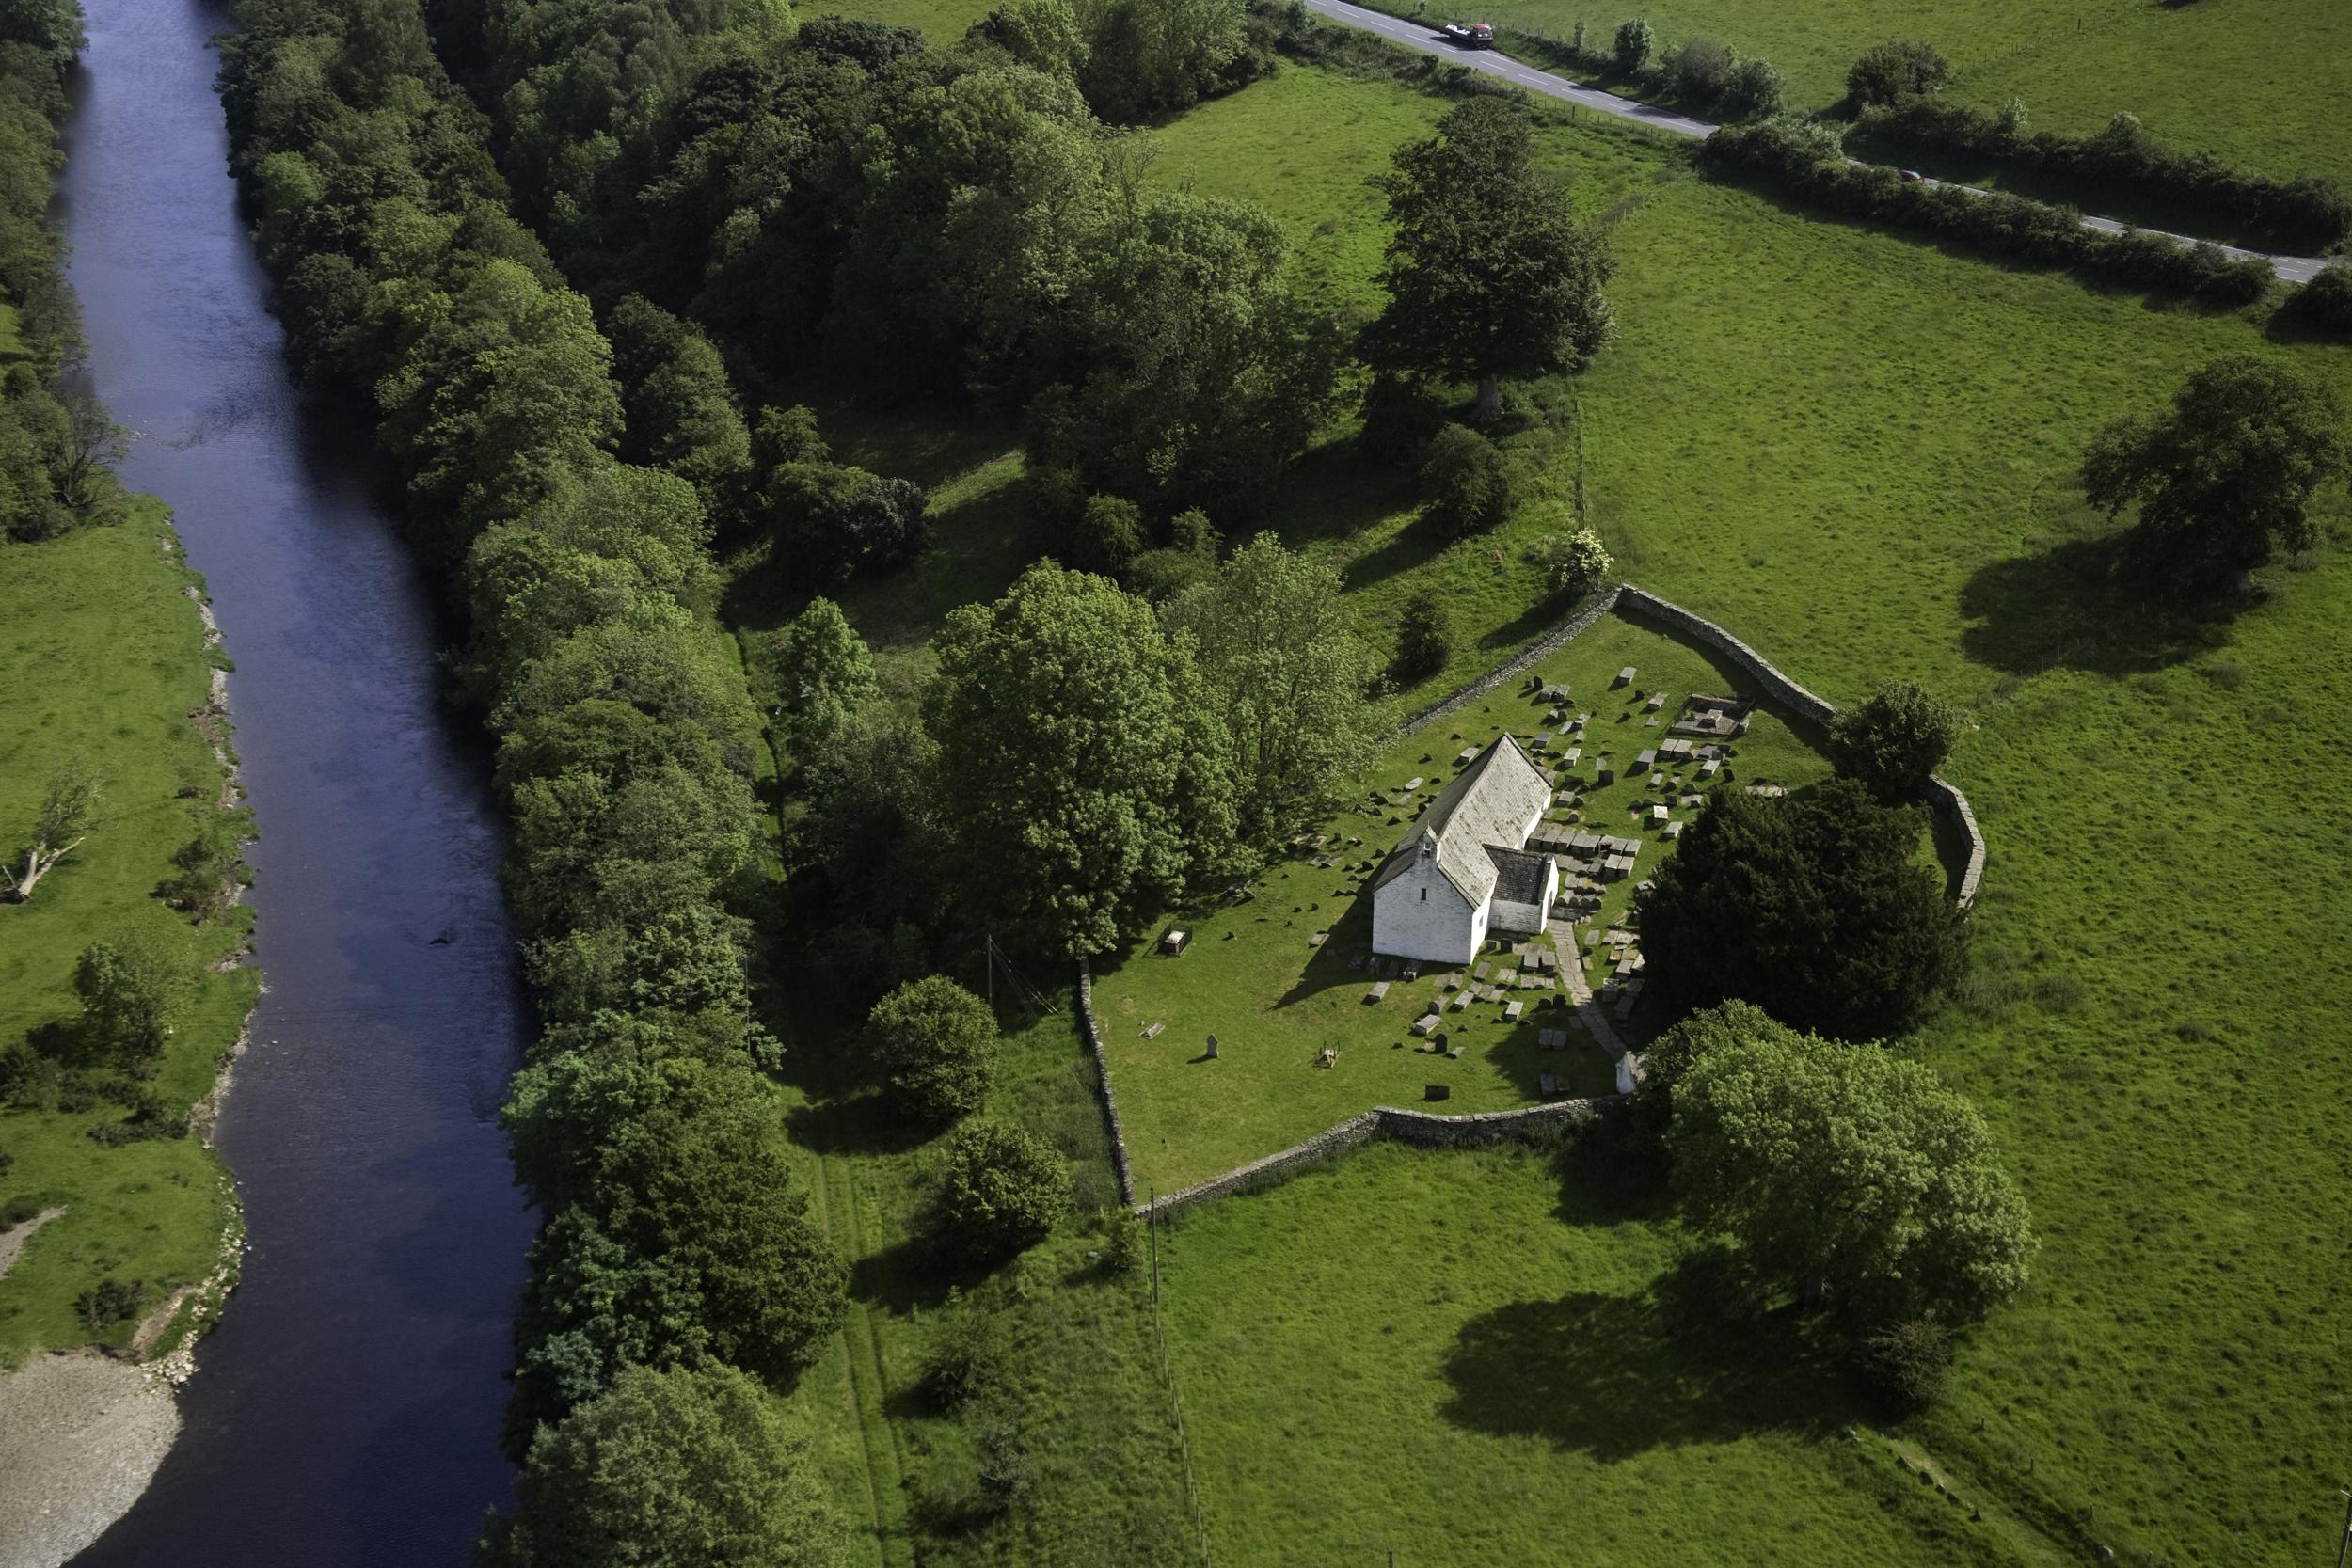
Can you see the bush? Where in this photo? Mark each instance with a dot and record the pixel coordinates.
(1000, 1193)
(1424, 638)
(1633, 44)
(1124, 1246)
(937, 1042)
(1464, 477)
(2325, 301)
(1892, 742)
(1903, 67)
(110, 1302)
(1106, 536)
(1575, 563)
(1700, 71)
(1756, 92)
(834, 522)
(967, 1354)
(1907, 1362)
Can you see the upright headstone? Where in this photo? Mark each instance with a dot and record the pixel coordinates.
(1213, 1048)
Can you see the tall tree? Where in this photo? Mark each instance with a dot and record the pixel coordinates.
(1278, 646)
(2223, 477)
(1814, 907)
(1489, 274)
(1083, 774)
(1848, 1173)
(1896, 740)
(825, 673)
(669, 1470)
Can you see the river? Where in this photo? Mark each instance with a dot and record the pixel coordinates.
(346, 1411)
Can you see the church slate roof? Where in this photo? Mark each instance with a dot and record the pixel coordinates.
(1487, 803)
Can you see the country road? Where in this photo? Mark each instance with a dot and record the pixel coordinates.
(1415, 34)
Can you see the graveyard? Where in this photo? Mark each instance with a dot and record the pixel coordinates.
(1313, 1026)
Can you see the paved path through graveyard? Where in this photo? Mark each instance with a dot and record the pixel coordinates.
(1419, 36)
(1588, 1011)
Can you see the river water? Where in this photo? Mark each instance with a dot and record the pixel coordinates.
(345, 1412)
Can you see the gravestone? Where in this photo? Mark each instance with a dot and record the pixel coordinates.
(1213, 1048)
(1434, 1091)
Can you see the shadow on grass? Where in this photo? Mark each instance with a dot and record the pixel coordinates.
(1615, 1376)
(1327, 966)
(2068, 608)
(855, 1124)
(908, 1275)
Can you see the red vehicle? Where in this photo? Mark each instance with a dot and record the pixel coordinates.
(1469, 35)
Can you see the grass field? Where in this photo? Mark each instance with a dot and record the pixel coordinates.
(1857, 451)
(1463, 1357)
(2257, 86)
(1252, 977)
(101, 655)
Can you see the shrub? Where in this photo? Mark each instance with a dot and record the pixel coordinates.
(1755, 92)
(1123, 1245)
(937, 1042)
(129, 992)
(1895, 740)
(1000, 1193)
(966, 1358)
(1907, 1362)
(1464, 478)
(1424, 638)
(1903, 68)
(1633, 44)
(1700, 71)
(1575, 563)
(108, 1302)
(1106, 536)
(2325, 301)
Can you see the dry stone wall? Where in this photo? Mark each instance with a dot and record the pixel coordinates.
(1102, 1082)
(1943, 795)
(1424, 1128)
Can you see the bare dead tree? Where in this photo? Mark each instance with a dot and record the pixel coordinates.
(67, 807)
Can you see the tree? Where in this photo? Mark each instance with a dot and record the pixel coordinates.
(1043, 35)
(1633, 45)
(999, 1193)
(1902, 67)
(1814, 907)
(669, 1470)
(1894, 741)
(2225, 476)
(1487, 273)
(1277, 644)
(1424, 638)
(937, 1042)
(1083, 775)
(824, 672)
(1466, 482)
(1701, 71)
(129, 992)
(1845, 1172)
(1755, 92)
(1575, 563)
(831, 521)
(1155, 57)
(2327, 299)
(67, 803)
(679, 405)
(1106, 536)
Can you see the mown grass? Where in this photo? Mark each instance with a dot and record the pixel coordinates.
(1253, 977)
(2255, 87)
(1463, 1357)
(101, 656)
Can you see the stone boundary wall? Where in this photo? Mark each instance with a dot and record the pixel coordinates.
(1943, 795)
(1525, 659)
(1102, 1082)
(1777, 687)
(1423, 1128)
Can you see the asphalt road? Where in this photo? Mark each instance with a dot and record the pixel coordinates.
(1420, 36)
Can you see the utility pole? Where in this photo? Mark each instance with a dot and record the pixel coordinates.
(1151, 1222)
(2344, 1542)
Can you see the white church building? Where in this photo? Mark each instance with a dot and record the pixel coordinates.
(1463, 870)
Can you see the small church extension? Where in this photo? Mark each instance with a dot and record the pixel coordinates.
(1463, 870)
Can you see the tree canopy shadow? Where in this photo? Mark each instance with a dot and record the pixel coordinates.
(2070, 607)
(1615, 1376)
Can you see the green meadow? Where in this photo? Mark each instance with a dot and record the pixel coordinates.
(1858, 452)
(101, 656)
